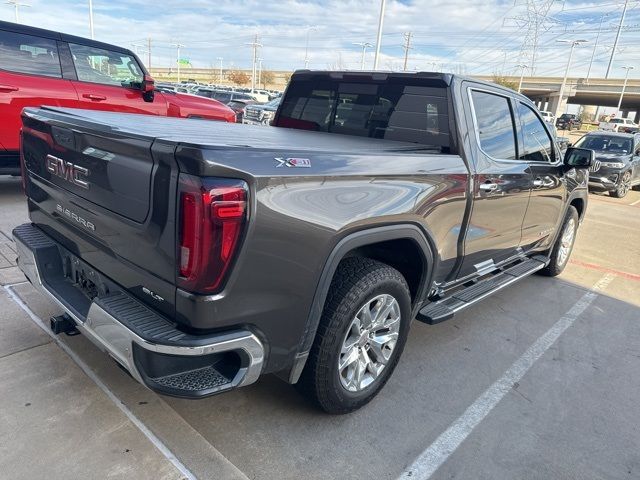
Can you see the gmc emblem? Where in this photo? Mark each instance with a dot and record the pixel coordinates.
(68, 171)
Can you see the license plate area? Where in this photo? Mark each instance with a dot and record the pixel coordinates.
(84, 278)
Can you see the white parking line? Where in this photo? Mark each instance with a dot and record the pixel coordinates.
(447, 443)
(118, 403)
(635, 203)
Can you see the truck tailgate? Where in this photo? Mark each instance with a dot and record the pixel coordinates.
(107, 198)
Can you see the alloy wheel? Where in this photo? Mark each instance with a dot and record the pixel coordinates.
(369, 342)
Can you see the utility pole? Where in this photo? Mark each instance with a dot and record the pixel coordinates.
(364, 46)
(523, 67)
(615, 43)
(259, 72)
(178, 47)
(624, 85)
(149, 53)
(595, 46)
(91, 18)
(220, 60)
(566, 72)
(406, 46)
(255, 46)
(379, 38)
(16, 5)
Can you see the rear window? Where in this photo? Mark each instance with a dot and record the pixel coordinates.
(28, 54)
(398, 109)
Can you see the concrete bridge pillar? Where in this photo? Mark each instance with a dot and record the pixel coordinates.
(625, 113)
(556, 106)
(590, 111)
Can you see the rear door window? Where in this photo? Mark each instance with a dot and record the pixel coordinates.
(398, 110)
(29, 54)
(494, 121)
(537, 144)
(97, 65)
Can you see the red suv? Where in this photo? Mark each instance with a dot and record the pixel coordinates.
(41, 67)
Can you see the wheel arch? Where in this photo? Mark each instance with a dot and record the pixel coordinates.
(367, 242)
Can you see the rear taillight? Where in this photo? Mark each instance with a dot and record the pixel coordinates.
(213, 213)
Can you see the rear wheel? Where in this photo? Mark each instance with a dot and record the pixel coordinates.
(361, 335)
(563, 247)
(623, 187)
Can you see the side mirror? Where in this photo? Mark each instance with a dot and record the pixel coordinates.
(579, 157)
(148, 88)
(148, 84)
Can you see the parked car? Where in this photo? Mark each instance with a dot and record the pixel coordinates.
(569, 121)
(41, 67)
(617, 162)
(239, 106)
(261, 114)
(547, 116)
(622, 125)
(304, 250)
(224, 96)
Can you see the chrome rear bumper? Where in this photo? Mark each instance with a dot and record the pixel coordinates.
(128, 346)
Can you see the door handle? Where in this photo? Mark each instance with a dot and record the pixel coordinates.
(488, 187)
(91, 96)
(538, 182)
(8, 88)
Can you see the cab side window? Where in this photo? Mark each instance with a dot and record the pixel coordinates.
(28, 54)
(97, 65)
(495, 125)
(537, 144)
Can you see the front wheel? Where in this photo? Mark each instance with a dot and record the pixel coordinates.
(562, 248)
(623, 187)
(360, 337)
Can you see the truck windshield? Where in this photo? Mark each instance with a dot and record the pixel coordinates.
(397, 109)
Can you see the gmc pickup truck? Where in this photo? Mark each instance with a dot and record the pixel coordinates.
(202, 255)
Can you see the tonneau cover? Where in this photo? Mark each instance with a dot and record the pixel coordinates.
(212, 134)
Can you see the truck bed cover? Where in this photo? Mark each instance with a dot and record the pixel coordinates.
(212, 135)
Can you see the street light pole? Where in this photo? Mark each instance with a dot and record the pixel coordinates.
(379, 38)
(220, 60)
(16, 5)
(91, 18)
(615, 43)
(566, 72)
(624, 85)
(259, 72)
(178, 47)
(306, 48)
(523, 67)
(364, 46)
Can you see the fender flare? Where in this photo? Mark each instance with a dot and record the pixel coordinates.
(352, 241)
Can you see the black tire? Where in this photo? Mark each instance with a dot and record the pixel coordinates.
(557, 264)
(356, 281)
(623, 187)
(636, 188)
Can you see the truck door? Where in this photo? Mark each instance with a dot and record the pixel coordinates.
(501, 182)
(549, 190)
(30, 76)
(105, 81)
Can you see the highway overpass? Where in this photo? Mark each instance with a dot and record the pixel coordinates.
(545, 92)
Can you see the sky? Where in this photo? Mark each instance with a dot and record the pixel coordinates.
(462, 36)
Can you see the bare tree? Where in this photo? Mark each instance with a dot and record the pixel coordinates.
(239, 78)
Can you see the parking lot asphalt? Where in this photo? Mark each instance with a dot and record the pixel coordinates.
(572, 411)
